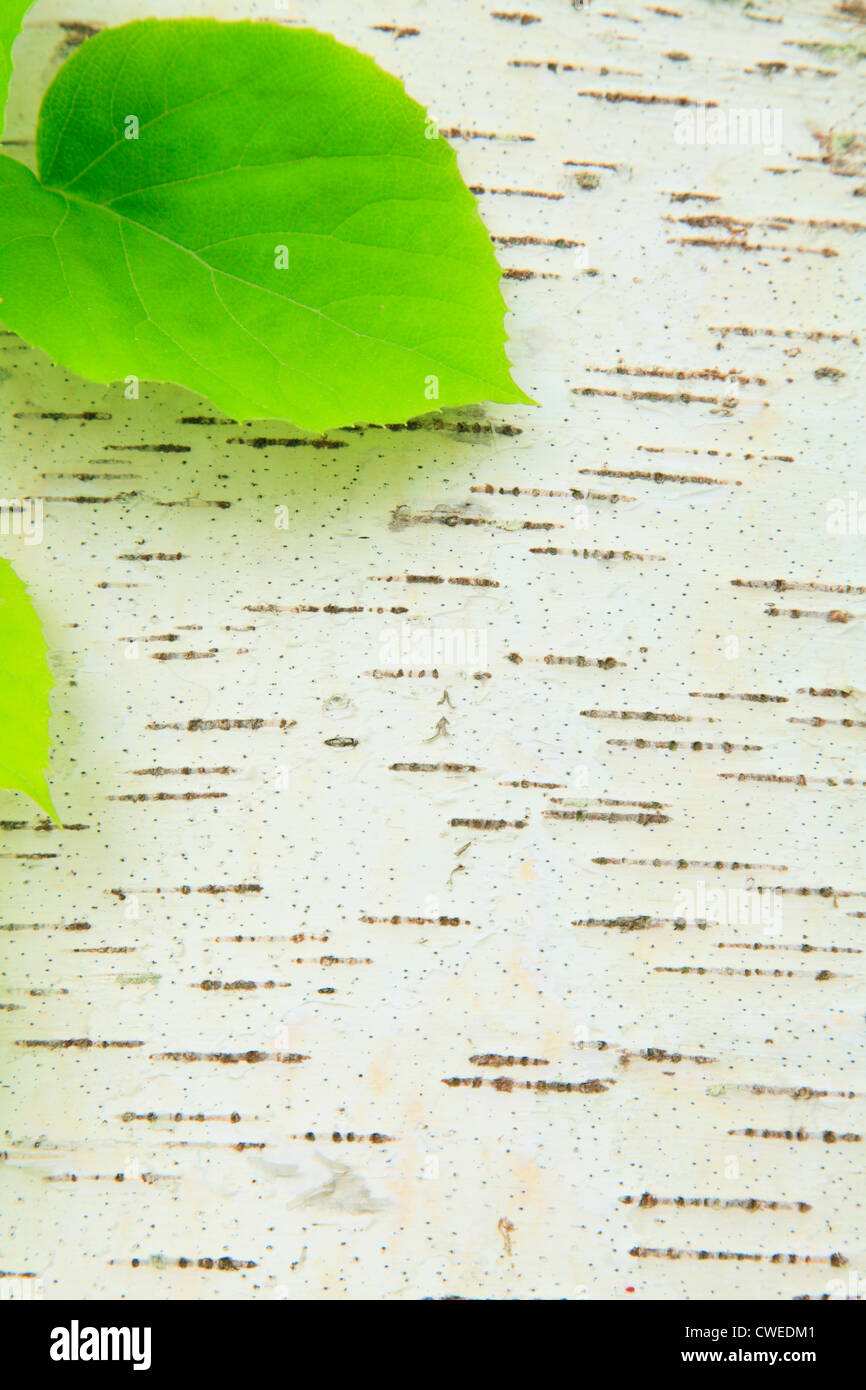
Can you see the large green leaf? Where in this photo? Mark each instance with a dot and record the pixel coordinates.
(163, 256)
(12, 13)
(25, 684)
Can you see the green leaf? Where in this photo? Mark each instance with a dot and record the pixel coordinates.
(183, 162)
(12, 13)
(25, 684)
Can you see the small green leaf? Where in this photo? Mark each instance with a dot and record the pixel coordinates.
(256, 213)
(12, 13)
(25, 684)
